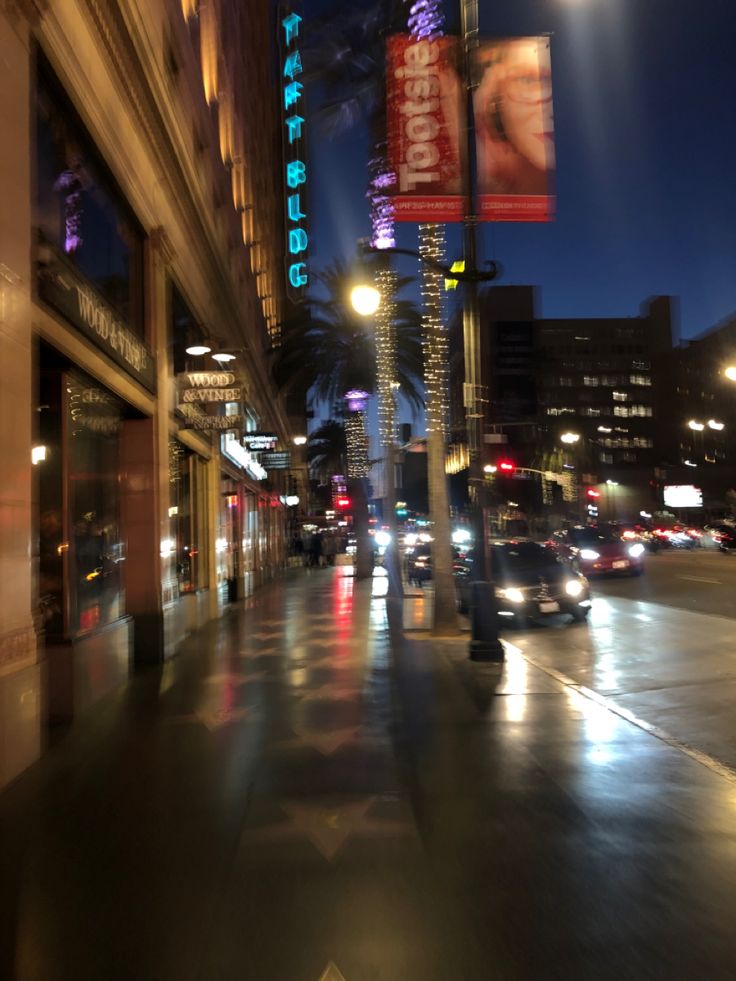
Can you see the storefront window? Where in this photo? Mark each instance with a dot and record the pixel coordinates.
(183, 513)
(79, 210)
(94, 542)
(228, 536)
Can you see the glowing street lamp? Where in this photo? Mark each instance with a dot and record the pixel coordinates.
(570, 438)
(714, 424)
(365, 300)
(730, 372)
(697, 426)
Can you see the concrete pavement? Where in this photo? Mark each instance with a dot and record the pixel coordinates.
(310, 791)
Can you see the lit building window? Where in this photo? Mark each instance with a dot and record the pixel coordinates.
(620, 397)
(591, 380)
(640, 380)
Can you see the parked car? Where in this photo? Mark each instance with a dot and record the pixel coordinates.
(529, 581)
(596, 550)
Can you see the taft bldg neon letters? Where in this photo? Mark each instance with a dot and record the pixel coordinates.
(295, 168)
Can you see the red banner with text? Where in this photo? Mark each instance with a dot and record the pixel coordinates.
(425, 109)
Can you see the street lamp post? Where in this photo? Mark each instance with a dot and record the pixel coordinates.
(484, 643)
(368, 301)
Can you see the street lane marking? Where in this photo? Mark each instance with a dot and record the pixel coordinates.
(716, 582)
(713, 764)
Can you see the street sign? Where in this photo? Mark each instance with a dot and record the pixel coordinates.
(276, 461)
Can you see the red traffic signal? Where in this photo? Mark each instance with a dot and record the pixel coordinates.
(506, 466)
(592, 492)
(343, 502)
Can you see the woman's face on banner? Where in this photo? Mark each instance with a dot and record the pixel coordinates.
(525, 96)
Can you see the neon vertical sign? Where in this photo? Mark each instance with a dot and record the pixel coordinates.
(295, 167)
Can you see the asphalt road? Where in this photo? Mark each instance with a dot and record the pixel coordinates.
(660, 648)
(701, 580)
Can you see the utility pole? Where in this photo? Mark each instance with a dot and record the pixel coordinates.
(484, 644)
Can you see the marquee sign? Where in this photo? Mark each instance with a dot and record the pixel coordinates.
(208, 387)
(295, 168)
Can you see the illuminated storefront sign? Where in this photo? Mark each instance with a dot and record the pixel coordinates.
(231, 447)
(256, 442)
(295, 168)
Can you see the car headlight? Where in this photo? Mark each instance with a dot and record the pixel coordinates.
(589, 554)
(573, 587)
(512, 595)
(636, 550)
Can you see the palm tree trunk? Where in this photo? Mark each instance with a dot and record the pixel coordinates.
(435, 373)
(363, 550)
(386, 365)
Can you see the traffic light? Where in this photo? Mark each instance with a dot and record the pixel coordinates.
(343, 503)
(592, 492)
(506, 467)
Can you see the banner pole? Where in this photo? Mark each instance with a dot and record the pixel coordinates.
(484, 643)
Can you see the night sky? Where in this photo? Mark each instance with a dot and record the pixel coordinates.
(645, 119)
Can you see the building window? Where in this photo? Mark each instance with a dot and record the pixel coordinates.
(564, 411)
(623, 411)
(606, 457)
(590, 411)
(78, 208)
(95, 545)
(591, 380)
(620, 397)
(640, 380)
(641, 410)
(566, 382)
(184, 546)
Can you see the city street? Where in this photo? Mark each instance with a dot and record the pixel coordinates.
(701, 580)
(660, 646)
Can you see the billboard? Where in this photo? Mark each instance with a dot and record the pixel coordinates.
(682, 496)
(514, 130)
(425, 109)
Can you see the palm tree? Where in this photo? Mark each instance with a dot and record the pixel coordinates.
(330, 350)
(349, 64)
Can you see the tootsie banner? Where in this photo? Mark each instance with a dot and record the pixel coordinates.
(425, 107)
(514, 130)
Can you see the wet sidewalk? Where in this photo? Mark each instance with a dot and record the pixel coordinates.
(312, 792)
